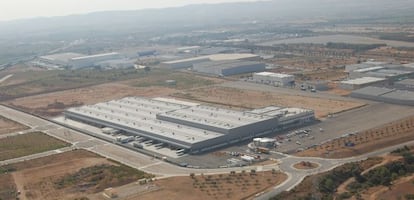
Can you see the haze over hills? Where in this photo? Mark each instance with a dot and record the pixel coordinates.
(277, 11)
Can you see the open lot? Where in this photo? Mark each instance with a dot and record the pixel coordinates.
(365, 141)
(10, 126)
(248, 99)
(352, 39)
(7, 187)
(153, 85)
(69, 175)
(223, 186)
(27, 144)
(55, 103)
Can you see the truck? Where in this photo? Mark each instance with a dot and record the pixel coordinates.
(262, 150)
(125, 139)
(137, 145)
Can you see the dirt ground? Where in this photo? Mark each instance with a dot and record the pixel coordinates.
(254, 99)
(7, 187)
(400, 188)
(53, 104)
(305, 165)
(367, 141)
(10, 126)
(225, 186)
(37, 179)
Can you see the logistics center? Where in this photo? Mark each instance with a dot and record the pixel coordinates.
(186, 125)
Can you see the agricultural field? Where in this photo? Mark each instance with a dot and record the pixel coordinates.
(70, 175)
(242, 185)
(249, 99)
(10, 126)
(28, 144)
(367, 141)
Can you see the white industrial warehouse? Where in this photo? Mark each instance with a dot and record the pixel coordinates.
(190, 126)
(275, 79)
(76, 61)
(228, 68)
(190, 62)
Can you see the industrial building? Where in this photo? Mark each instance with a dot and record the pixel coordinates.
(228, 68)
(185, 125)
(358, 83)
(390, 72)
(76, 61)
(275, 79)
(92, 60)
(116, 64)
(364, 65)
(55, 61)
(387, 95)
(190, 62)
(407, 84)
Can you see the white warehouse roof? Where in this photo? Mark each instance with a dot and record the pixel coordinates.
(271, 74)
(363, 80)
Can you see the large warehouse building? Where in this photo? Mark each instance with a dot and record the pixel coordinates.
(228, 68)
(190, 62)
(186, 125)
(91, 60)
(387, 95)
(358, 83)
(75, 60)
(275, 79)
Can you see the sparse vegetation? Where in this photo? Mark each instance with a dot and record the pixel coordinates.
(99, 177)
(27, 144)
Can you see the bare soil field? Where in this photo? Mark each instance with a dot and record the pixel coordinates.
(153, 85)
(27, 144)
(10, 126)
(249, 99)
(399, 189)
(7, 187)
(69, 175)
(55, 103)
(367, 141)
(224, 186)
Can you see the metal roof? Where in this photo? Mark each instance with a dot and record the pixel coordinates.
(216, 57)
(271, 74)
(140, 114)
(96, 56)
(64, 57)
(406, 82)
(373, 91)
(363, 80)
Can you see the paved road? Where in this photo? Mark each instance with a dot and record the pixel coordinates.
(164, 169)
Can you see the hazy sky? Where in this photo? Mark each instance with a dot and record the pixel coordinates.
(16, 9)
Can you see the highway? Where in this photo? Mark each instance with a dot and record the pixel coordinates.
(164, 169)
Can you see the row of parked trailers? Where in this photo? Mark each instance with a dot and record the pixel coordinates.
(138, 141)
